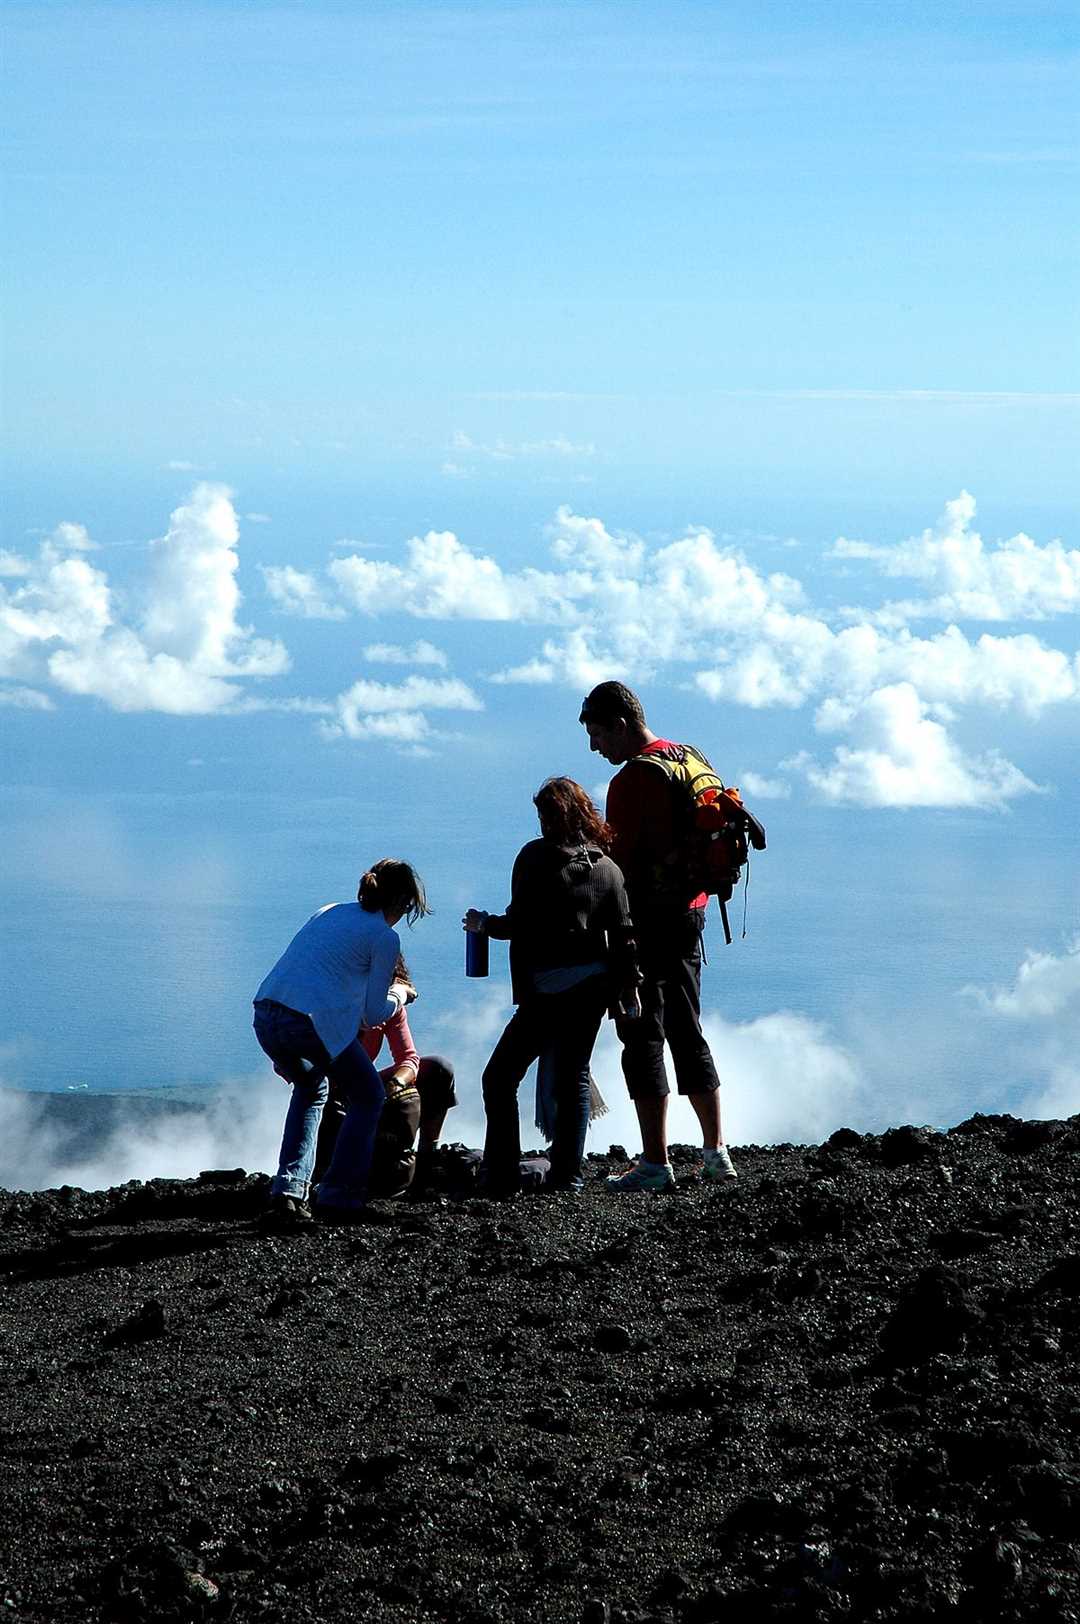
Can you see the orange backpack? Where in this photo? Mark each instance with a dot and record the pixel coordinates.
(716, 831)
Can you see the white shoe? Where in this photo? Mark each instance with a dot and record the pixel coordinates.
(718, 1166)
(644, 1176)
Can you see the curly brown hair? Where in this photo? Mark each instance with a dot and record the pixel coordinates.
(568, 816)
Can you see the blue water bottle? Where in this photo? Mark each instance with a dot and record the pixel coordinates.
(476, 952)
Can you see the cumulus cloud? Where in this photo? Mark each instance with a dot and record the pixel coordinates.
(298, 593)
(609, 605)
(1043, 1004)
(1046, 985)
(613, 606)
(572, 661)
(182, 648)
(900, 756)
(763, 788)
(588, 544)
(1016, 579)
(442, 579)
(375, 710)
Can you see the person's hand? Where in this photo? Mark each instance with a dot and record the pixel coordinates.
(475, 920)
(403, 991)
(629, 1005)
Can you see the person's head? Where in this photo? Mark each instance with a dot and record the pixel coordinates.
(568, 816)
(392, 887)
(615, 722)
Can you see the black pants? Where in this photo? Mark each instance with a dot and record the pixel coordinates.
(565, 1025)
(669, 952)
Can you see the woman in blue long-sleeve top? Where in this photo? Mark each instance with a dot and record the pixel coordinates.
(335, 976)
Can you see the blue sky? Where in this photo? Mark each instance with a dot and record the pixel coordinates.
(378, 377)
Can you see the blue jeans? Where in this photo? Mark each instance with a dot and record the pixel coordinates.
(299, 1054)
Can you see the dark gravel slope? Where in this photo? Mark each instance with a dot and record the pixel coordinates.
(844, 1388)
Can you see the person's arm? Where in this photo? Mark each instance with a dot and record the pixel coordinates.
(406, 1061)
(378, 1005)
(622, 943)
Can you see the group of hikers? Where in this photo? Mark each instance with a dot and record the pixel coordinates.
(605, 916)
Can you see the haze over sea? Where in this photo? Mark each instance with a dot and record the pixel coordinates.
(386, 379)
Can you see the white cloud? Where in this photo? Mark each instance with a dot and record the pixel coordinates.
(764, 789)
(511, 451)
(796, 657)
(72, 538)
(373, 710)
(588, 544)
(1046, 985)
(179, 655)
(900, 756)
(442, 580)
(299, 593)
(782, 1078)
(1044, 1003)
(118, 669)
(193, 599)
(258, 518)
(26, 699)
(240, 1126)
(1015, 579)
(611, 605)
(572, 662)
(617, 607)
(419, 653)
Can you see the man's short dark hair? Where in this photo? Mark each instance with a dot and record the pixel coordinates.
(610, 702)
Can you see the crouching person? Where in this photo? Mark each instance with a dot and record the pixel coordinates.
(335, 976)
(419, 1093)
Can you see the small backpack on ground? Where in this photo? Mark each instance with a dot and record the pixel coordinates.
(716, 831)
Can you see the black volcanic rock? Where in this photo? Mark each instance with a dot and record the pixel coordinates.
(842, 1388)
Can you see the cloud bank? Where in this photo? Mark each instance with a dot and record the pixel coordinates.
(697, 610)
(885, 699)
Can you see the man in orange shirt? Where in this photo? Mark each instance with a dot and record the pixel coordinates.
(643, 816)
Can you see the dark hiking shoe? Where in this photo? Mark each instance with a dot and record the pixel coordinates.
(286, 1212)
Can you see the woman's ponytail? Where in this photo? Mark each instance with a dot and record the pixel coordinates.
(392, 884)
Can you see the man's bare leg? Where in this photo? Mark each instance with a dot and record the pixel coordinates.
(707, 1111)
(652, 1120)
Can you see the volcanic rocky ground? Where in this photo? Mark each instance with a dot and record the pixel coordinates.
(842, 1388)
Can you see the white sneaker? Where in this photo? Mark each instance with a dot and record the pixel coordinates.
(644, 1176)
(718, 1166)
